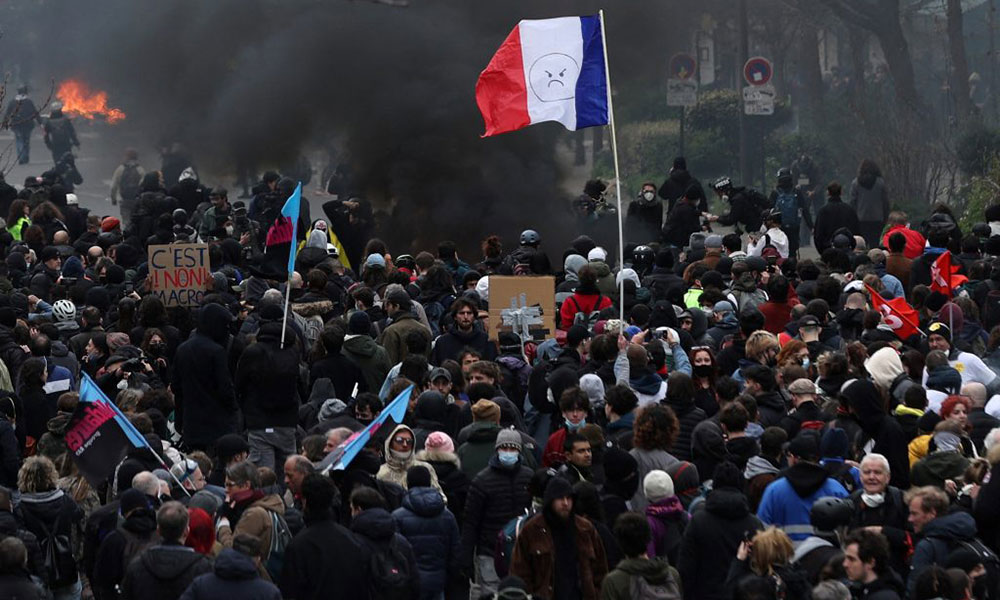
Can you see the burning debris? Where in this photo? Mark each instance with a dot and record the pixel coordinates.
(78, 100)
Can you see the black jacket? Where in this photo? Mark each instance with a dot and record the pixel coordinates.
(982, 423)
(644, 220)
(10, 527)
(343, 372)
(135, 533)
(807, 411)
(689, 416)
(323, 560)
(19, 586)
(742, 210)
(163, 572)
(234, 576)
(10, 454)
(376, 529)
(710, 541)
(893, 517)
(890, 441)
(676, 184)
(448, 345)
(497, 495)
(834, 215)
(770, 408)
(203, 387)
(887, 587)
(682, 221)
(454, 483)
(267, 381)
(55, 512)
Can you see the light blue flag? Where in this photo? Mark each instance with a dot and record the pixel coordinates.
(89, 392)
(291, 210)
(345, 453)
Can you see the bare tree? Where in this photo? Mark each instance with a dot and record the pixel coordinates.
(959, 65)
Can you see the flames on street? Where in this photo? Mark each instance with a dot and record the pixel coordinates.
(79, 100)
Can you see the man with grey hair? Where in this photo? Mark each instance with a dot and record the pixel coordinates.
(147, 483)
(880, 507)
(336, 437)
(165, 570)
(982, 422)
(831, 589)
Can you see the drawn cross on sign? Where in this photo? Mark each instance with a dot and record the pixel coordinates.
(521, 317)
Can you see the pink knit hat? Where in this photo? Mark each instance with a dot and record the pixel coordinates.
(439, 441)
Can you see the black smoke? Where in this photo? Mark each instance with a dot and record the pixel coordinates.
(259, 80)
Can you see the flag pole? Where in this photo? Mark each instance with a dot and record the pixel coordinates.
(618, 179)
(288, 295)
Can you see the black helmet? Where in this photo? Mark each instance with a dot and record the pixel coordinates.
(784, 172)
(530, 237)
(405, 261)
(643, 255)
(829, 513)
(722, 183)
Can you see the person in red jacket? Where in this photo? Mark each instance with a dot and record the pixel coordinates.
(586, 299)
(574, 405)
(915, 241)
(777, 310)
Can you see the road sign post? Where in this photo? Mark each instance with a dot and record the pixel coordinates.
(682, 87)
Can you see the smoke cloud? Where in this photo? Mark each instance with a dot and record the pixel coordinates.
(259, 80)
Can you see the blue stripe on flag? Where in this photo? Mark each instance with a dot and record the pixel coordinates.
(89, 392)
(592, 86)
(291, 210)
(395, 409)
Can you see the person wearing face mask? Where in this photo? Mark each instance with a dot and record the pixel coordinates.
(574, 404)
(880, 507)
(400, 456)
(645, 215)
(497, 494)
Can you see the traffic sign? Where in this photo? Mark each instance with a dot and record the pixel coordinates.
(758, 100)
(758, 71)
(682, 66)
(682, 92)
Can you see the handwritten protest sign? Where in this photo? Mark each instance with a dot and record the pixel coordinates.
(179, 273)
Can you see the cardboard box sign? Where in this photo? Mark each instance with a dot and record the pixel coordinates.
(523, 299)
(179, 273)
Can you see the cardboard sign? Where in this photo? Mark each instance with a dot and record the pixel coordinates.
(531, 300)
(179, 273)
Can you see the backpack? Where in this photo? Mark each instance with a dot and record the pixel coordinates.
(389, 574)
(587, 319)
(841, 473)
(128, 185)
(281, 536)
(991, 310)
(641, 589)
(787, 202)
(987, 556)
(58, 130)
(57, 552)
(759, 201)
(503, 553)
(312, 328)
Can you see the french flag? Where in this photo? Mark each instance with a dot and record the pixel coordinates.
(546, 70)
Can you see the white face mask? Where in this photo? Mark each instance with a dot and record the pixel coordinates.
(229, 230)
(648, 196)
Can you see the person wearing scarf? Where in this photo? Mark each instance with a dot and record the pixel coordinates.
(878, 504)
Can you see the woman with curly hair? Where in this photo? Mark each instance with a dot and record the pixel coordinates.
(766, 560)
(655, 429)
(17, 218)
(48, 217)
(492, 249)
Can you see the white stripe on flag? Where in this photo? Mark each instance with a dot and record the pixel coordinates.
(552, 50)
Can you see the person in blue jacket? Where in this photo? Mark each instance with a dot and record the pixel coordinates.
(425, 521)
(787, 500)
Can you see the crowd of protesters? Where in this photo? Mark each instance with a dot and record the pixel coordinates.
(714, 419)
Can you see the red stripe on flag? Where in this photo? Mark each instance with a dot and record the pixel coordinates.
(501, 92)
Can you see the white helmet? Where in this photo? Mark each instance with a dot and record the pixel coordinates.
(64, 310)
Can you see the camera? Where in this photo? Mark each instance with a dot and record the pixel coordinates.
(133, 365)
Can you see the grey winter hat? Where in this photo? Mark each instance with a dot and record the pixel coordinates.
(508, 437)
(331, 408)
(713, 241)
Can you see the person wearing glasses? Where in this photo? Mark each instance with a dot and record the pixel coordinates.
(400, 455)
(466, 332)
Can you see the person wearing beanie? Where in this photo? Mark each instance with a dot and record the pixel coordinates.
(439, 453)
(559, 554)
(497, 494)
(833, 450)
(431, 529)
(480, 444)
(666, 515)
(787, 501)
(136, 531)
(662, 281)
(713, 535)
(969, 366)
(400, 456)
(360, 346)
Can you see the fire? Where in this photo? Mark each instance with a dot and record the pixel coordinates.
(79, 100)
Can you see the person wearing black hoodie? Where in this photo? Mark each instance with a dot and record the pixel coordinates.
(713, 535)
(163, 571)
(202, 385)
(866, 404)
(834, 215)
(465, 333)
(375, 528)
(683, 219)
(680, 397)
(677, 184)
(136, 532)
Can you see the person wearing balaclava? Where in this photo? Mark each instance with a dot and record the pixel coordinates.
(945, 464)
(400, 455)
(560, 555)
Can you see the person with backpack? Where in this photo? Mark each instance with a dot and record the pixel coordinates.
(52, 516)
(59, 133)
(393, 572)
(248, 509)
(431, 529)
(528, 258)
(585, 305)
(639, 576)
(764, 564)
(793, 206)
(136, 532)
(163, 571)
(234, 575)
(745, 206)
(774, 236)
(558, 554)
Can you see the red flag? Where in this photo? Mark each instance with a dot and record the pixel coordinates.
(944, 276)
(896, 313)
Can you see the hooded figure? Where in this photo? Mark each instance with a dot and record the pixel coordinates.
(202, 384)
(397, 462)
(890, 441)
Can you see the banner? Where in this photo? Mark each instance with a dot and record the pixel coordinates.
(96, 441)
(896, 313)
(342, 456)
(179, 274)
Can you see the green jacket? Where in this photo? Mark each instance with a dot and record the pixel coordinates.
(476, 452)
(393, 337)
(618, 584)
